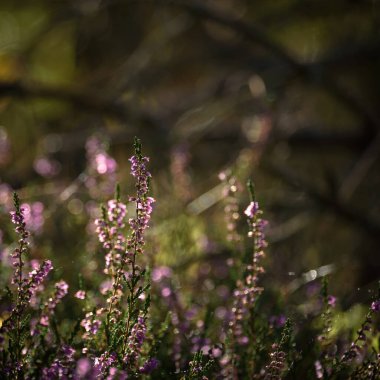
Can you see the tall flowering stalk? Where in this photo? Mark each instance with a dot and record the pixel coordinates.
(18, 263)
(248, 290)
(26, 288)
(138, 225)
(121, 265)
(18, 254)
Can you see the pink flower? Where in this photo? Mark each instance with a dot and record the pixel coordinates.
(80, 294)
(44, 320)
(251, 210)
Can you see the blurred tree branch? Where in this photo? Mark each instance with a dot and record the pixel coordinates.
(82, 100)
(312, 73)
(77, 98)
(360, 169)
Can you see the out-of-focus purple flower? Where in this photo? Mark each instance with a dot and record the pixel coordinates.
(104, 163)
(116, 374)
(34, 264)
(46, 167)
(149, 366)
(80, 294)
(105, 287)
(98, 157)
(331, 300)
(101, 168)
(44, 320)
(83, 368)
(166, 292)
(33, 215)
(277, 321)
(318, 370)
(216, 352)
(159, 273)
(199, 343)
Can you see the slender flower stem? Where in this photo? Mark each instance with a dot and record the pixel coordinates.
(19, 221)
(133, 265)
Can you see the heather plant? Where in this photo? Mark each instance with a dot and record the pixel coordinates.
(140, 318)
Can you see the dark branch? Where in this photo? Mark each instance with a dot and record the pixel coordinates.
(358, 218)
(78, 98)
(312, 73)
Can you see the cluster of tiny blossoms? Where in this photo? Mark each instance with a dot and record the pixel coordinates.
(276, 365)
(117, 339)
(27, 291)
(61, 289)
(143, 202)
(109, 230)
(135, 341)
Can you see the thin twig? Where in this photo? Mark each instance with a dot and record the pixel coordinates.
(360, 170)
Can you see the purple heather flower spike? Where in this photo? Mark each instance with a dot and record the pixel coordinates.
(61, 289)
(375, 306)
(246, 292)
